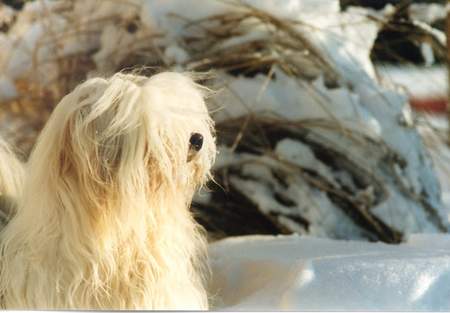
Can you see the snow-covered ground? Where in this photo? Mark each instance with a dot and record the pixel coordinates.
(307, 273)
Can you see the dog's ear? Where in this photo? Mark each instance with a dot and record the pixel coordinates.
(87, 153)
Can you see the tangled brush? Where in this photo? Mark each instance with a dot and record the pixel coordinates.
(104, 221)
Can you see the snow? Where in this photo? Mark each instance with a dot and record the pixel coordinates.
(33, 35)
(294, 100)
(306, 273)
(302, 155)
(434, 129)
(157, 12)
(427, 53)
(358, 110)
(434, 33)
(346, 39)
(360, 105)
(427, 12)
(262, 187)
(418, 82)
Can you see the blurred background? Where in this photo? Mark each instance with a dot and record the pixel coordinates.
(331, 116)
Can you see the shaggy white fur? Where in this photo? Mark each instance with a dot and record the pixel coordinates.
(104, 221)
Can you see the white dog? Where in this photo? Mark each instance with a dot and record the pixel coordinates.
(104, 221)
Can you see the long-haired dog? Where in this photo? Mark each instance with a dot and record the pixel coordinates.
(103, 221)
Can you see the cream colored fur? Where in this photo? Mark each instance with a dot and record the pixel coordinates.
(104, 219)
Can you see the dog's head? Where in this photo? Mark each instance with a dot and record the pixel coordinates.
(106, 192)
(128, 132)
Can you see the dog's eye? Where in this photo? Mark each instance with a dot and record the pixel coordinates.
(195, 144)
(196, 141)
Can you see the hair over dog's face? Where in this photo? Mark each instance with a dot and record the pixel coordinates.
(103, 212)
(130, 131)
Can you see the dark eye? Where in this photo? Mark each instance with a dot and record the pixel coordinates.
(196, 141)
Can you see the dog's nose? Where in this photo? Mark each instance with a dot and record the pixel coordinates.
(196, 141)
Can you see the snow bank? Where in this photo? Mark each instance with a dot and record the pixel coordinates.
(306, 273)
(369, 109)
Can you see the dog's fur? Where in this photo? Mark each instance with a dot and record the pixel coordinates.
(104, 221)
